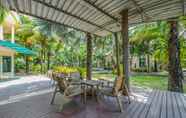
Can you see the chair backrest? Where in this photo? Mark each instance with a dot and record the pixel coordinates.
(62, 83)
(118, 84)
(75, 76)
(49, 74)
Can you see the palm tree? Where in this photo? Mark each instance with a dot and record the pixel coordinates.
(143, 41)
(25, 33)
(3, 14)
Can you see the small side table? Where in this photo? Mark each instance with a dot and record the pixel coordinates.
(93, 84)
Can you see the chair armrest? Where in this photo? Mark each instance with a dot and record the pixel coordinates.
(72, 91)
(106, 83)
(118, 93)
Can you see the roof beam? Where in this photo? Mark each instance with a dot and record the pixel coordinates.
(69, 14)
(30, 14)
(140, 10)
(100, 10)
(183, 6)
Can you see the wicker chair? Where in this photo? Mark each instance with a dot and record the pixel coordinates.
(114, 89)
(66, 88)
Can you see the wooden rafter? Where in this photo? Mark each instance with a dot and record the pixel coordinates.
(43, 18)
(183, 6)
(69, 14)
(101, 10)
(140, 10)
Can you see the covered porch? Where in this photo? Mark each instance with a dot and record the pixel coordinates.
(147, 104)
(99, 18)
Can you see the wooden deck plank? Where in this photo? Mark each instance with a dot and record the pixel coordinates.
(170, 112)
(148, 103)
(153, 106)
(133, 110)
(184, 100)
(159, 104)
(145, 112)
(137, 112)
(180, 105)
(164, 105)
(174, 105)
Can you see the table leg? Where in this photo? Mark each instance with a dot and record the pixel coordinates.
(93, 92)
(85, 94)
(97, 89)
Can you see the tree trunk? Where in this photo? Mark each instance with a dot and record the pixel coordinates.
(27, 64)
(117, 54)
(48, 60)
(174, 66)
(131, 59)
(41, 61)
(148, 63)
(125, 46)
(155, 66)
(89, 56)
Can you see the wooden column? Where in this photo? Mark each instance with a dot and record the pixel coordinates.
(125, 46)
(89, 56)
(174, 66)
(12, 57)
(117, 53)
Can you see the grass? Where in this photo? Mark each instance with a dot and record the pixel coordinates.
(152, 82)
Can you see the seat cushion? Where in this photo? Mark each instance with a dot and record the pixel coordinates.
(107, 91)
(73, 91)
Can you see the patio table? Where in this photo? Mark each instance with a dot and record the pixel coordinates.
(94, 87)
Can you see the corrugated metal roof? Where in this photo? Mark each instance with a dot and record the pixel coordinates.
(99, 17)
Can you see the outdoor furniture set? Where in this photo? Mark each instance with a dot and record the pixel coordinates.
(69, 88)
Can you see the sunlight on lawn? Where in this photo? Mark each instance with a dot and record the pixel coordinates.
(152, 82)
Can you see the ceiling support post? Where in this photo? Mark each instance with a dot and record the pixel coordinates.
(89, 57)
(125, 46)
(174, 67)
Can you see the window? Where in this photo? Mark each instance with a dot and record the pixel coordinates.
(6, 64)
(142, 61)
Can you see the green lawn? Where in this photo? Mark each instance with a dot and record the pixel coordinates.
(153, 82)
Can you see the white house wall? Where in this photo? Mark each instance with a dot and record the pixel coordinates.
(6, 52)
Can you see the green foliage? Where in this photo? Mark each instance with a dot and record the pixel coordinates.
(3, 13)
(65, 69)
(82, 72)
(142, 69)
(58, 45)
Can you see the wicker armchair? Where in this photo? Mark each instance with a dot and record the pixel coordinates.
(114, 89)
(66, 88)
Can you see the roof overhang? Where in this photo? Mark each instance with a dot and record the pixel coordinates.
(99, 17)
(7, 48)
(6, 51)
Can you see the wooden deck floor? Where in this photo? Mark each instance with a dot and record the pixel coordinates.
(154, 104)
